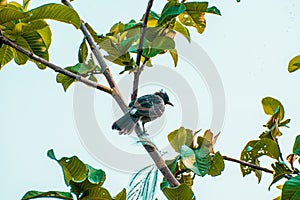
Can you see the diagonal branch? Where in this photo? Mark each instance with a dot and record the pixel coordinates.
(148, 145)
(140, 51)
(56, 68)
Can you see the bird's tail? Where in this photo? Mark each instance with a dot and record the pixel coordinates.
(125, 124)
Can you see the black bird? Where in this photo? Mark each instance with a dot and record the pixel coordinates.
(146, 108)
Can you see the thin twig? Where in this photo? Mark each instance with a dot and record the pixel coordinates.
(140, 51)
(56, 68)
(136, 80)
(280, 154)
(151, 149)
(248, 164)
(244, 163)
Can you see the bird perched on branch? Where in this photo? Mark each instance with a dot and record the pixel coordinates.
(146, 108)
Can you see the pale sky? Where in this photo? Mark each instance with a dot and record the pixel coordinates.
(250, 46)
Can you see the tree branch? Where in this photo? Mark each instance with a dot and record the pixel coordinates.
(248, 164)
(140, 51)
(151, 149)
(56, 68)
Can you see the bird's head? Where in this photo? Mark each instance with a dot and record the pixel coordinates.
(164, 96)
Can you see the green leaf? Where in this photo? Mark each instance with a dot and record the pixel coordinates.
(255, 149)
(154, 15)
(182, 30)
(93, 78)
(117, 28)
(270, 105)
(217, 165)
(213, 10)
(174, 55)
(294, 64)
(73, 168)
(46, 35)
(188, 158)
(296, 147)
(281, 170)
(291, 189)
(37, 43)
(159, 45)
(10, 14)
(6, 55)
(3, 3)
(55, 12)
(125, 44)
(121, 195)
(83, 52)
(197, 160)
(81, 68)
(96, 176)
(203, 160)
(21, 58)
(66, 82)
(177, 138)
(131, 24)
(170, 13)
(53, 194)
(25, 4)
(182, 192)
(97, 193)
(31, 26)
(194, 15)
(15, 5)
(51, 154)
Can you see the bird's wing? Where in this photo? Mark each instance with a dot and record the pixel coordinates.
(149, 105)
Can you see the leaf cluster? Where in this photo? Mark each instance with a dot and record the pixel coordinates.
(268, 145)
(85, 182)
(196, 156)
(28, 29)
(122, 40)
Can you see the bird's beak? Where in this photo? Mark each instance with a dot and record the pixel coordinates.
(168, 102)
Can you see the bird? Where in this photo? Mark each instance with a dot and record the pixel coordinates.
(145, 108)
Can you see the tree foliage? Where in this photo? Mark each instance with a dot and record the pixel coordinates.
(196, 155)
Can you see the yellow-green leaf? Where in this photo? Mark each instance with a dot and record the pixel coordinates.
(296, 147)
(270, 106)
(83, 52)
(179, 137)
(174, 55)
(194, 15)
(182, 192)
(121, 195)
(97, 193)
(6, 55)
(10, 14)
(55, 12)
(73, 168)
(217, 165)
(51, 194)
(182, 30)
(294, 64)
(21, 58)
